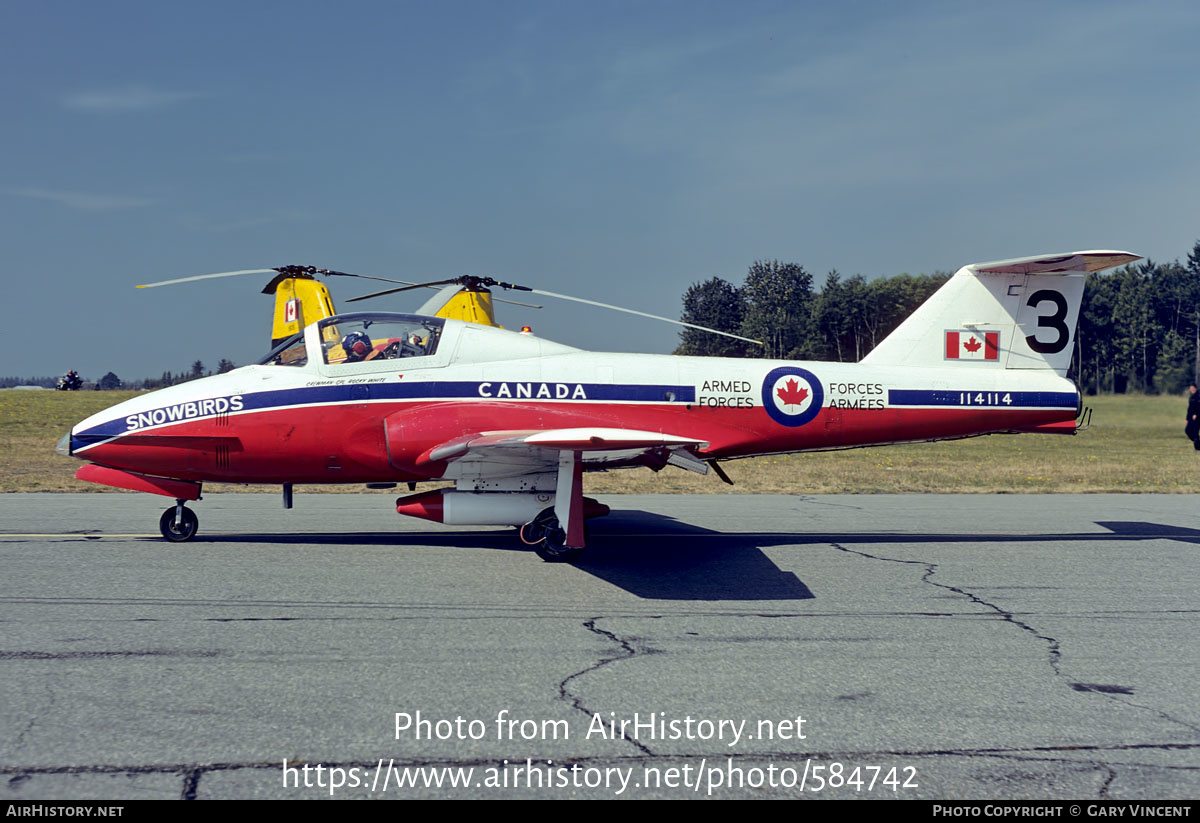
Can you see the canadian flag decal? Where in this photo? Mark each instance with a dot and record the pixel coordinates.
(968, 344)
(291, 311)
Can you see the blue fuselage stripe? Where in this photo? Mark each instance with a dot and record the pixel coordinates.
(975, 398)
(495, 390)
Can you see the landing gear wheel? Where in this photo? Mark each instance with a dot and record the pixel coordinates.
(548, 538)
(552, 550)
(186, 530)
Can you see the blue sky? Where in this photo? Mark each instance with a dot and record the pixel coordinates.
(616, 151)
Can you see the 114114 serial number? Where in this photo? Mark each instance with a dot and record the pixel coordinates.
(987, 398)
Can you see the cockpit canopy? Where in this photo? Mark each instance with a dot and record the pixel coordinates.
(361, 338)
(366, 342)
(291, 352)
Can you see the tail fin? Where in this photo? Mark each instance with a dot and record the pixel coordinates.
(455, 302)
(1012, 314)
(300, 299)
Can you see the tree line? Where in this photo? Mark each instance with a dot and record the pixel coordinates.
(44, 382)
(1139, 325)
(194, 373)
(110, 381)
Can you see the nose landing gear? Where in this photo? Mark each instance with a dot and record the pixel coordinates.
(179, 523)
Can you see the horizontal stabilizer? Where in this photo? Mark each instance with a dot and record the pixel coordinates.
(1080, 261)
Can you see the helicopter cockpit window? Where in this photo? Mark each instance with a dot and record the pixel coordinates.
(361, 339)
(290, 352)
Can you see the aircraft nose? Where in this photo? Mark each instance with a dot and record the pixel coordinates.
(64, 445)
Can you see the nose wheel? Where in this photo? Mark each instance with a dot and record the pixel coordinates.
(178, 523)
(549, 539)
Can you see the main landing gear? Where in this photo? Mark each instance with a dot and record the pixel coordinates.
(549, 539)
(178, 523)
(557, 534)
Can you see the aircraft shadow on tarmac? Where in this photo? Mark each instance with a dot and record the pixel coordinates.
(650, 555)
(660, 558)
(657, 557)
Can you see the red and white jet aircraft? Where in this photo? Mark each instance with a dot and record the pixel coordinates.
(514, 420)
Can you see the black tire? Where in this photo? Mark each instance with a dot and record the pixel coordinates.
(550, 538)
(557, 553)
(188, 525)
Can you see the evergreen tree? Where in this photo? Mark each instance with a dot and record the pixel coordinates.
(716, 304)
(1174, 370)
(1133, 317)
(833, 318)
(854, 298)
(778, 307)
(1095, 332)
(1193, 291)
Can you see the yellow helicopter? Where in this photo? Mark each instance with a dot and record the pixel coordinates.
(301, 299)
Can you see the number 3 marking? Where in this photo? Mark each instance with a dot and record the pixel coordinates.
(1056, 321)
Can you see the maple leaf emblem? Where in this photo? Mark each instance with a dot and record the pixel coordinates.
(972, 345)
(791, 394)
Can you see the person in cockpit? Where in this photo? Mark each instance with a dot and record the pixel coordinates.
(357, 347)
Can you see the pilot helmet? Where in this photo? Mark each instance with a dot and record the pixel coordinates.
(357, 345)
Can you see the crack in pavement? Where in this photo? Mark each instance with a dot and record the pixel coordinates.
(1053, 645)
(1108, 781)
(1008, 617)
(191, 782)
(33, 721)
(94, 655)
(627, 652)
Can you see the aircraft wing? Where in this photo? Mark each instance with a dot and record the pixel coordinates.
(599, 446)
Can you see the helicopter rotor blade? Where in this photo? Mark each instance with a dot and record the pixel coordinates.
(206, 277)
(310, 270)
(477, 281)
(473, 281)
(432, 284)
(516, 303)
(292, 270)
(643, 314)
(331, 273)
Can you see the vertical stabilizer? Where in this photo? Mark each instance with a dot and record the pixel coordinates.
(1008, 314)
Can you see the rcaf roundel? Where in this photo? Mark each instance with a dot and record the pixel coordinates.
(792, 396)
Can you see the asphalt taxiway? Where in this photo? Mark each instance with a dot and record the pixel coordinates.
(964, 646)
